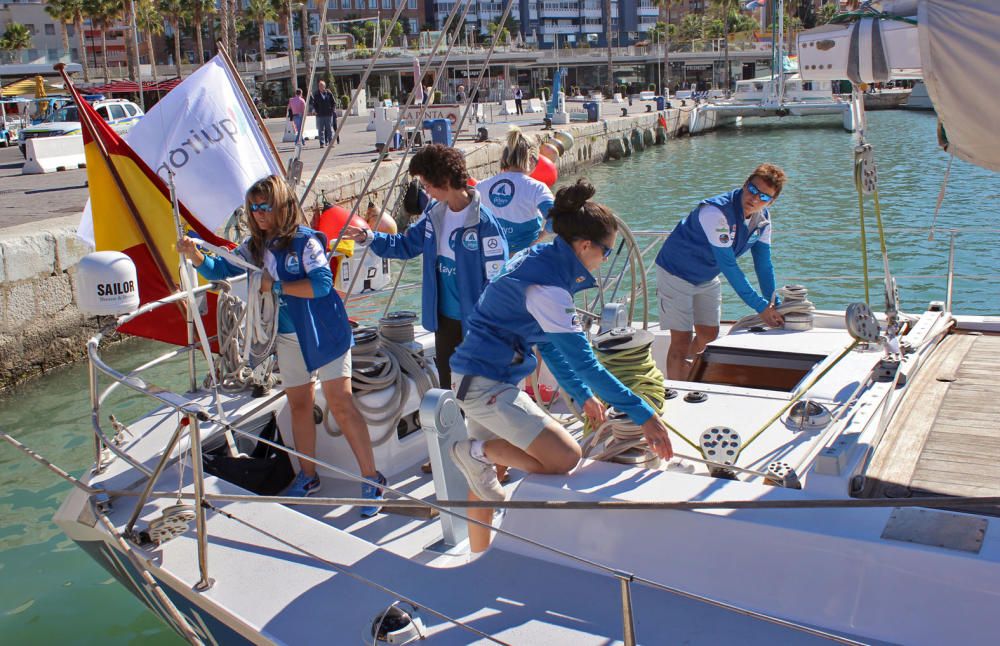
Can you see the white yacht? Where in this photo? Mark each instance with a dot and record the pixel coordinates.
(835, 481)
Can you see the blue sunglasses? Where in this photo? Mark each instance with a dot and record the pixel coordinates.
(263, 206)
(756, 192)
(607, 250)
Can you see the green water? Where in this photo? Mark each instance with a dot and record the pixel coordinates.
(50, 591)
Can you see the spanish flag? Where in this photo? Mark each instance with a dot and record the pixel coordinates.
(132, 213)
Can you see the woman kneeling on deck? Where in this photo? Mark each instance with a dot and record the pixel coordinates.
(531, 304)
(314, 335)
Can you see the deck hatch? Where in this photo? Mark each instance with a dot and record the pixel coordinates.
(750, 368)
(936, 528)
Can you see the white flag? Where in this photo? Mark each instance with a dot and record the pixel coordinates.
(205, 133)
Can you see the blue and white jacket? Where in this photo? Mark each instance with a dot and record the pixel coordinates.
(320, 322)
(531, 304)
(710, 239)
(479, 257)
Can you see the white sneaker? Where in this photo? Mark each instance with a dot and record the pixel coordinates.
(482, 477)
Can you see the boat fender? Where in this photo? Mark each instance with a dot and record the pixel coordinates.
(565, 139)
(545, 171)
(548, 151)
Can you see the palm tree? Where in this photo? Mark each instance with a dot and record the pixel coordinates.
(60, 11)
(75, 9)
(175, 12)
(664, 6)
(15, 38)
(285, 11)
(149, 20)
(102, 14)
(607, 38)
(199, 10)
(261, 12)
(726, 8)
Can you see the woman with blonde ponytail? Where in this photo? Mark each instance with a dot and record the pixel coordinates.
(519, 202)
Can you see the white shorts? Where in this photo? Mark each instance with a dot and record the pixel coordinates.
(494, 409)
(293, 365)
(684, 305)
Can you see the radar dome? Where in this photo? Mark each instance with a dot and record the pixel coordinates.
(106, 284)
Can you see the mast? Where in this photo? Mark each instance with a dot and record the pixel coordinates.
(781, 52)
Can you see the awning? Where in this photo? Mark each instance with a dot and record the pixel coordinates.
(26, 87)
(131, 87)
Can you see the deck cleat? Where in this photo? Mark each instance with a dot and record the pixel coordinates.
(782, 474)
(721, 444)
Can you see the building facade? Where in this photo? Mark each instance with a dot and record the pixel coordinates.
(46, 32)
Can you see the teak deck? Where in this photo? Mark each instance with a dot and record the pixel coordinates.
(947, 439)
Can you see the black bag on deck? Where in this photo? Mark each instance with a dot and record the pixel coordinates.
(267, 471)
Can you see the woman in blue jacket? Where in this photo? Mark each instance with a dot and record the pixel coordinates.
(461, 242)
(706, 243)
(531, 304)
(314, 336)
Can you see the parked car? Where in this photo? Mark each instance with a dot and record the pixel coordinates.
(120, 114)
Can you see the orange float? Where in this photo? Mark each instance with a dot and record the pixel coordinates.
(549, 151)
(472, 181)
(330, 223)
(545, 171)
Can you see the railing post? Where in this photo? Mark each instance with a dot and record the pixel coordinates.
(95, 403)
(951, 270)
(628, 622)
(199, 507)
(443, 425)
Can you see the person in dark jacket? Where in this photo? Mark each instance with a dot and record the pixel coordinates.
(324, 106)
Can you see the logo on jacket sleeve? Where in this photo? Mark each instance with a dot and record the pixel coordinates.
(493, 246)
(493, 268)
(292, 264)
(470, 240)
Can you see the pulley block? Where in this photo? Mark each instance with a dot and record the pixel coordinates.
(173, 522)
(721, 444)
(861, 323)
(782, 474)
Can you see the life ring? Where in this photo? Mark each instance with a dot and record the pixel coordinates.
(545, 171)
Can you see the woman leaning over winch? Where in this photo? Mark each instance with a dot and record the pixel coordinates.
(314, 336)
(531, 304)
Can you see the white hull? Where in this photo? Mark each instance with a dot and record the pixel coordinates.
(829, 569)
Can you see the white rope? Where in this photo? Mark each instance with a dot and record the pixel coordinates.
(793, 301)
(940, 197)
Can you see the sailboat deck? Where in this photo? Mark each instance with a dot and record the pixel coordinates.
(948, 442)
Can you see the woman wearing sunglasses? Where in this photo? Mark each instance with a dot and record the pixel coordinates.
(314, 336)
(706, 243)
(531, 304)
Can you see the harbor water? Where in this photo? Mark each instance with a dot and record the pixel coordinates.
(50, 591)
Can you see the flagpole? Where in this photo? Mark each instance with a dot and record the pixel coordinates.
(147, 237)
(249, 101)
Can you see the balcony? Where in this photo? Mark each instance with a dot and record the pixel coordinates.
(559, 12)
(558, 29)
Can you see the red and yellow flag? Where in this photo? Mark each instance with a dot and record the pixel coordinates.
(132, 213)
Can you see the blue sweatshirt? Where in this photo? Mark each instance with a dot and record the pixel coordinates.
(480, 252)
(710, 239)
(320, 322)
(531, 304)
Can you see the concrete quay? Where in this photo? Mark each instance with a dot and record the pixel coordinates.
(41, 325)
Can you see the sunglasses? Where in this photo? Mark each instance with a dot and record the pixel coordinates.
(606, 249)
(756, 192)
(263, 206)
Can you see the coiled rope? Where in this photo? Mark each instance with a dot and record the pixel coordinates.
(795, 307)
(381, 359)
(247, 334)
(637, 370)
